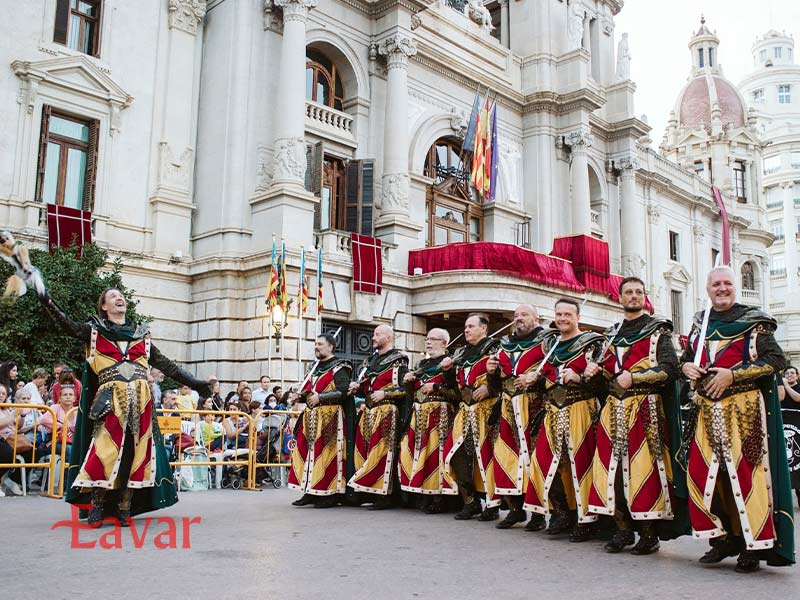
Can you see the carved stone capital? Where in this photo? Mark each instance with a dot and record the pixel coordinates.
(289, 162)
(273, 17)
(397, 49)
(626, 165)
(394, 195)
(186, 15)
(579, 140)
(699, 232)
(295, 10)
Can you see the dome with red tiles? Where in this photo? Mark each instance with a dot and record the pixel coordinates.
(698, 97)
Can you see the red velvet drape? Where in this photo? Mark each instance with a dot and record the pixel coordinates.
(66, 224)
(367, 264)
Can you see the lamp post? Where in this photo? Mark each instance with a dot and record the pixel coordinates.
(278, 318)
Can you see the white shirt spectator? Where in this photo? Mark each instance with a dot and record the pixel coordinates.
(36, 397)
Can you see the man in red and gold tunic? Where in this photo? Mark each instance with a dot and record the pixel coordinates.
(468, 449)
(319, 467)
(511, 376)
(117, 444)
(561, 464)
(739, 490)
(421, 463)
(632, 470)
(381, 386)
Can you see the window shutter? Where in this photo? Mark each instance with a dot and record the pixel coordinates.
(352, 195)
(367, 196)
(62, 22)
(91, 167)
(309, 162)
(318, 156)
(42, 152)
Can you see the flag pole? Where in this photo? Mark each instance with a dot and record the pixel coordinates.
(269, 310)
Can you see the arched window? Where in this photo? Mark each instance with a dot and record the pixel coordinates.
(444, 160)
(748, 277)
(323, 83)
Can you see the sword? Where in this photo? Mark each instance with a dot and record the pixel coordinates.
(608, 342)
(701, 339)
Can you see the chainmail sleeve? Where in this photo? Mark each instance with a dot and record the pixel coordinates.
(82, 331)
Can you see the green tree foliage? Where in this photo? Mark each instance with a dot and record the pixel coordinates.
(75, 280)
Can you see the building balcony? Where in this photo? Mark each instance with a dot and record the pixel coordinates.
(750, 297)
(330, 123)
(777, 273)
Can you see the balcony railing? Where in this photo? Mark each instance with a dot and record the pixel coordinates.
(329, 118)
(777, 272)
(751, 297)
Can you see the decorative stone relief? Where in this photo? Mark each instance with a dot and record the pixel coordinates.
(289, 159)
(608, 26)
(416, 21)
(459, 122)
(186, 15)
(653, 212)
(478, 13)
(263, 168)
(397, 49)
(273, 17)
(175, 173)
(577, 140)
(627, 163)
(510, 168)
(623, 59)
(632, 266)
(28, 91)
(698, 232)
(575, 18)
(394, 196)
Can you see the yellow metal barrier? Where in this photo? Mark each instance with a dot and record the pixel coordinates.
(251, 442)
(50, 466)
(280, 420)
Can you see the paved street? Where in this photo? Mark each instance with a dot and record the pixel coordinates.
(253, 544)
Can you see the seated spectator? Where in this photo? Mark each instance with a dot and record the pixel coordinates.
(234, 396)
(169, 402)
(278, 391)
(61, 409)
(185, 400)
(9, 419)
(212, 433)
(30, 416)
(34, 385)
(215, 397)
(245, 396)
(67, 377)
(260, 394)
(271, 402)
(8, 377)
(236, 428)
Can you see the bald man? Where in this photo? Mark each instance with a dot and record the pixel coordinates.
(511, 375)
(433, 395)
(381, 386)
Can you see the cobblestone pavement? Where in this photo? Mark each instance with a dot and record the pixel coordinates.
(255, 545)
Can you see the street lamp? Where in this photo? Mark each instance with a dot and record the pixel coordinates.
(279, 322)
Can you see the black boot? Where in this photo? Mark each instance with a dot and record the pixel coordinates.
(747, 562)
(536, 523)
(620, 539)
(435, 507)
(648, 541)
(95, 517)
(382, 503)
(327, 501)
(560, 522)
(304, 500)
(721, 548)
(470, 510)
(582, 532)
(490, 514)
(514, 516)
(83, 514)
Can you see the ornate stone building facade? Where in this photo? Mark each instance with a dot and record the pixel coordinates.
(773, 92)
(225, 122)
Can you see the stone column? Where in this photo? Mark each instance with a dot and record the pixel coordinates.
(286, 209)
(504, 25)
(171, 201)
(394, 198)
(289, 167)
(579, 143)
(632, 223)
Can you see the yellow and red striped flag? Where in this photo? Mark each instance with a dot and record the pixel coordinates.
(302, 287)
(272, 285)
(283, 296)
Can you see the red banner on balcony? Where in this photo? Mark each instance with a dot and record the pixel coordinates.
(492, 256)
(589, 257)
(66, 225)
(367, 264)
